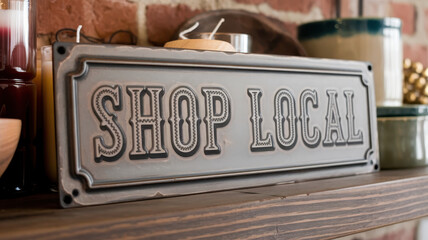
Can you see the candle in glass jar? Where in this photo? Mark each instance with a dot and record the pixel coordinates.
(49, 151)
(17, 59)
(17, 92)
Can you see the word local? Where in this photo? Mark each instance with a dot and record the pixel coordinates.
(218, 114)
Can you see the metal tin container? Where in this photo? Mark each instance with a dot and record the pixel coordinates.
(402, 132)
(240, 41)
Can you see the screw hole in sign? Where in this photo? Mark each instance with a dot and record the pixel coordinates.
(67, 199)
(75, 192)
(61, 50)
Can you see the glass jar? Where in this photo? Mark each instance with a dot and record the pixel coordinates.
(49, 147)
(374, 40)
(18, 101)
(18, 94)
(17, 39)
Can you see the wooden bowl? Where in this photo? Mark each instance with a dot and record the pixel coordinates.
(201, 44)
(10, 130)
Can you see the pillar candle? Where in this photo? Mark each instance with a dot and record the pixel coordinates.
(49, 147)
(17, 57)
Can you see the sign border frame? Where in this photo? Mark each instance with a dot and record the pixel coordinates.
(71, 194)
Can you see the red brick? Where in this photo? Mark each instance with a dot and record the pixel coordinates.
(113, 15)
(99, 18)
(289, 27)
(163, 20)
(406, 12)
(417, 53)
(304, 6)
(426, 20)
(53, 15)
(348, 9)
(376, 8)
(328, 8)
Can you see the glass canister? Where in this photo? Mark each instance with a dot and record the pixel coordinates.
(17, 39)
(375, 40)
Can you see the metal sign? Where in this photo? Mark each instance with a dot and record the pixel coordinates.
(135, 123)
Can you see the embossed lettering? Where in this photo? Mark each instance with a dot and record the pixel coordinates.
(182, 100)
(353, 138)
(333, 121)
(215, 118)
(108, 122)
(147, 121)
(259, 143)
(284, 95)
(314, 139)
(140, 122)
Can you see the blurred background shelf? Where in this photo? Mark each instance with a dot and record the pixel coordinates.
(320, 209)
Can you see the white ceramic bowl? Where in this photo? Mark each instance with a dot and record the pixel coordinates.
(10, 130)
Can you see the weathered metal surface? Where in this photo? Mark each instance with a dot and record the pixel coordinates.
(136, 123)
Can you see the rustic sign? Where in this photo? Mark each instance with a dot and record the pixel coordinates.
(135, 123)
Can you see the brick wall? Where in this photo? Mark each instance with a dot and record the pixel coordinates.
(154, 21)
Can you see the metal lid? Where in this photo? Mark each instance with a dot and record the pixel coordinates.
(401, 111)
(346, 27)
(240, 41)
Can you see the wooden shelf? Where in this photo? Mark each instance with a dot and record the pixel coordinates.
(309, 210)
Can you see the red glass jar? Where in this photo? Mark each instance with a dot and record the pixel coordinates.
(18, 100)
(17, 91)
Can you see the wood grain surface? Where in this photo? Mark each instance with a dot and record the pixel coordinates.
(320, 209)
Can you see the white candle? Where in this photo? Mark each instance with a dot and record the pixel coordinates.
(16, 61)
(49, 146)
(201, 44)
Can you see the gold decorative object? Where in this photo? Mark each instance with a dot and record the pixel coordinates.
(425, 72)
(415, 87)
(407, 63)
(412, 78)
(417, 67)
